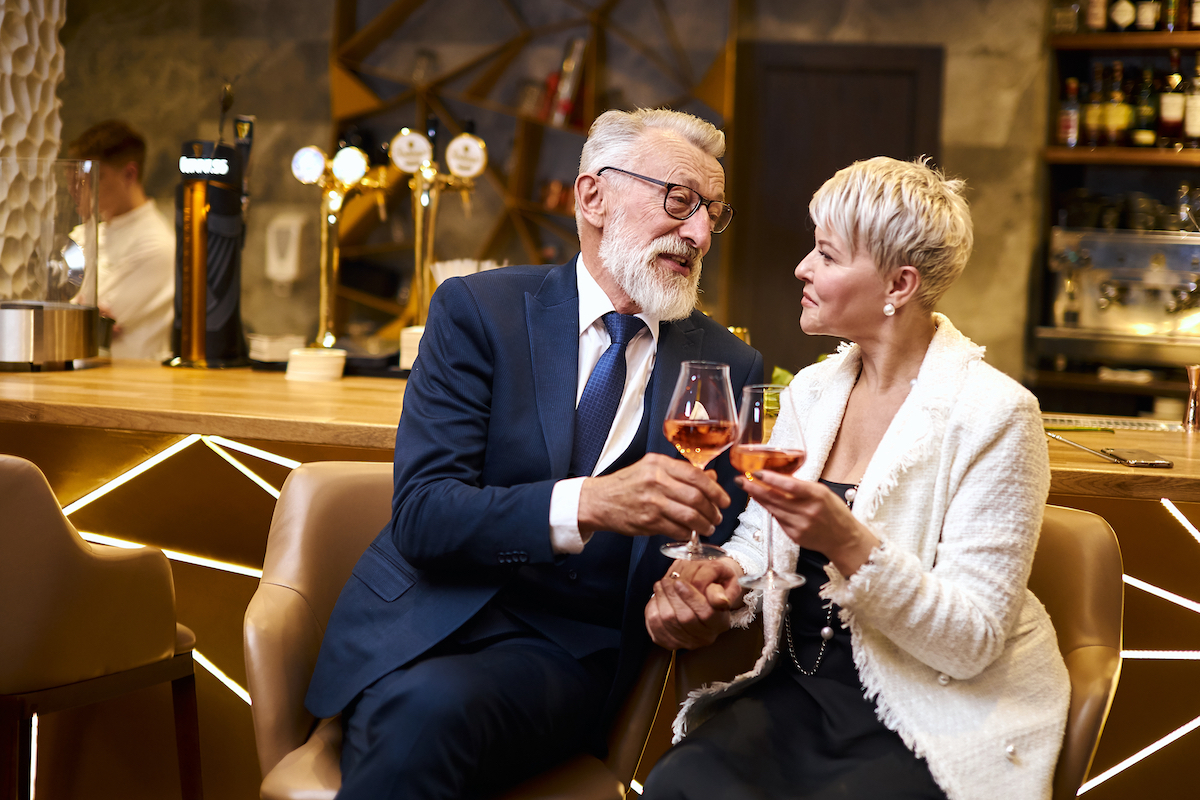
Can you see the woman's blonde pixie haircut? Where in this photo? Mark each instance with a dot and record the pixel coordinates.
(902, 213)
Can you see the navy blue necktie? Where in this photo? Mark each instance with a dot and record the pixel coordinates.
(602, 394)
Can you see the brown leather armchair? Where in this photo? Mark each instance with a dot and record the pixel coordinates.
(1077, 576)
(327, 514)
(79, 624)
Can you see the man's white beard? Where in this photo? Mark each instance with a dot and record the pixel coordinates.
(660, 293)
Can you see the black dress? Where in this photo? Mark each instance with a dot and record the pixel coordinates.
(803, 731)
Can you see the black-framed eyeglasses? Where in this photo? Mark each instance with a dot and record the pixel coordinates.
(683, 201)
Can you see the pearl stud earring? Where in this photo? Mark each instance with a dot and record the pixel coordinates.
(888, 309)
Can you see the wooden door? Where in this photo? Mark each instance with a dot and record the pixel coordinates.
(802, 112)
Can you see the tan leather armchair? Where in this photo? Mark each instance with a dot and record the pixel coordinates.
(80, 623)
(327, 514)
(1077, 576)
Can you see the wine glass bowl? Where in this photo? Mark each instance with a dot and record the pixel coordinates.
(702, 423)
(755, 452)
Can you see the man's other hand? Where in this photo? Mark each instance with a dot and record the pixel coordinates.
(657, 495)
(690, 606)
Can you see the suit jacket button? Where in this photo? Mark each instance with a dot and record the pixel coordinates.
(572, 575)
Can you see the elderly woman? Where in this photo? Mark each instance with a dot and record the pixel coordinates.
(914, 663)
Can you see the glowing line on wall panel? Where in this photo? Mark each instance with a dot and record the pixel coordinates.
(1178, 733)
(130, 474)
(221, 676)
(1178, 515)
(254, 451)
(175, 555)
(1149, 588)
(242, 468)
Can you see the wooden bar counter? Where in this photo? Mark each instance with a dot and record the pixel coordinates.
(142, 396)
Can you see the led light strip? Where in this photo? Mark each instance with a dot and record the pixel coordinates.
(129, 475)
(222, 677)
(1162, 655)
(1178, 515)
(1178, 733)
(253, 451)
(33, 736)
(175, 555)
(240, 467)
(1190, 605)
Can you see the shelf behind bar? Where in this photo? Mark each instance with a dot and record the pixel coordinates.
(1135, 40)
(1125, 156)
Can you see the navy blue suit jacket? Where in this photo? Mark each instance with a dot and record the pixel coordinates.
(485, 433)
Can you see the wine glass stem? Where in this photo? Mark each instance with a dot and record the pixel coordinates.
(694, 543)
(770, 546)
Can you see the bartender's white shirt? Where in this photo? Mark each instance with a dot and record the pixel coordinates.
(137, 281)
(639, 364)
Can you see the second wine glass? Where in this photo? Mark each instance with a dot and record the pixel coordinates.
(702, 423)
(754, 452)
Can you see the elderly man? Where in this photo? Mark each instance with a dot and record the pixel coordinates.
(492, 626)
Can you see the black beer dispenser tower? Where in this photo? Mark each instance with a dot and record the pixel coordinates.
(209, 234)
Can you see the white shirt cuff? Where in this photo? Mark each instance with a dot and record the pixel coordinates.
(564, 517)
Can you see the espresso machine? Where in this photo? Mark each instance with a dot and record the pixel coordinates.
(1124, 296)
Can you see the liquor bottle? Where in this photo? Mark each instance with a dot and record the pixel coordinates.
(1191, 113)
(1145, 128)
(1064, 16)
(1068, 115)
(1122, 13)
(1175, 15)
(1097, 15)
(1171, 105)
(1148, 12)
(1118, 114)
(1093, 112)
(1194, 14)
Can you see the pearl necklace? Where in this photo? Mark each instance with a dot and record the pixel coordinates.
(826, 629)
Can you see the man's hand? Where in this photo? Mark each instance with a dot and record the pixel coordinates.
(691, 604)
(657, 495)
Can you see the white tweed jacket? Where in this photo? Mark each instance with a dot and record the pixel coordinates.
(959, 657)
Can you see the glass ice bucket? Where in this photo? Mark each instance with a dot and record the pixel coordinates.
(48, 263)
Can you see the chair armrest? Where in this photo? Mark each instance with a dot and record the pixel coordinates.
(312, 771)
(281, 643)
(1094, 673)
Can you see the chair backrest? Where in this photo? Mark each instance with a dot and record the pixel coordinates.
(326, 515)
(1077, 574)
(52, 584)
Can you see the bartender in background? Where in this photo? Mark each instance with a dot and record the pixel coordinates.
(136, 245)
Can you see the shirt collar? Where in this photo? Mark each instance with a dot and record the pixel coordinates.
(594, 303)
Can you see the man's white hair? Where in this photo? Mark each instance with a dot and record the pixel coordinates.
(902, 213)
(614, 137)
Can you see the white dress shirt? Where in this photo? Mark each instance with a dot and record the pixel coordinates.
(639, 364)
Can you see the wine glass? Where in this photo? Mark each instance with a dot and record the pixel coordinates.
(753, 452)
(702, 424)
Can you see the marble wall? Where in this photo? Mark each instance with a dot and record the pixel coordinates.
(160, 65)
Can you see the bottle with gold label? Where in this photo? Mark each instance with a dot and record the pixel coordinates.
(1171, 105)
(1093, 112)
(1096, 18)
(1118, 113)
(1191, 112)
(1145, 126)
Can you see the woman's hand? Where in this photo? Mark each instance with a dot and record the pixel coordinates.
(814, 517)
(691, 604)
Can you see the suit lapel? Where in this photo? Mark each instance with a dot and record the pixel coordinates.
(553, 319)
